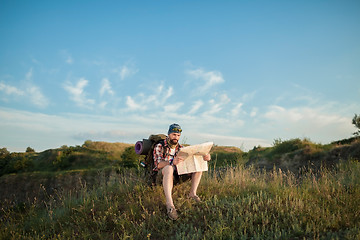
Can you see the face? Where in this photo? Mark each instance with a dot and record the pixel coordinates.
(174, 137)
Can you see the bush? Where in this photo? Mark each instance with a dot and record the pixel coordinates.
(282, 147)
(23, 164)
(4, 152)
(30, 150)
(129, 158)
(356, 122)
(4, 160)
(223, 159)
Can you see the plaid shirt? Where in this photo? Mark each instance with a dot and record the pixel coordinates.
(160, 155)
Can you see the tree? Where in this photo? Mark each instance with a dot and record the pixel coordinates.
(30, 150)
(356, 122)
(129, 158)
(4, 152)
(4, 161)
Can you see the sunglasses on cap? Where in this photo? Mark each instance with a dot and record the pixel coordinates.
(176, 130)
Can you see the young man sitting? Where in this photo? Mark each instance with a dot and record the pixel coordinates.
(166, 158)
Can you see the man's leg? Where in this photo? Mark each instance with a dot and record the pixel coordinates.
(195, 180)
(168, 182)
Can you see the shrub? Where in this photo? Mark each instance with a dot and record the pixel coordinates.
(356, 122)
(4, 160)
(282, 147)
(30, 150)
(4, 152)
(223, 159)
(129, 158)
(23, 164)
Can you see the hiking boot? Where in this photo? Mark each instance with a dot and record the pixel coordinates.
(171, 211)
(195, 198)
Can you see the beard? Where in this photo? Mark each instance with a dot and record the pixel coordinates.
(173, 141)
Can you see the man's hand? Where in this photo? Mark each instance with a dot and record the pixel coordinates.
(177, 160)
(207, 157)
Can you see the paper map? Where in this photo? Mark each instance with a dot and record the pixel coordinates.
(193, 158)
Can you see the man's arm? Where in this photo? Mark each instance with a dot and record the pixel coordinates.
(163, 164)
(158, 154)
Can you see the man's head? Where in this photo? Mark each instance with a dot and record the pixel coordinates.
(174, 133)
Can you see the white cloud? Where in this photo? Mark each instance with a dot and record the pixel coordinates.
(249, 96)
(195, 107)
(66, 56)
(169, 93)
(103, 104)
(236, 110)
(253, 112)
(173, 107)
(315, 123)
(278, 113)
(36, 97)
(106, 87)
(29, 74)
(31, 93)
(134, 106)
(214, 107)
(71, 129)
(210, 78)
(10, 90)
(277, 121)
(77, 93)
(157, 100)
(160, 95)
(126, 71)
(217, 105)
(224, 99)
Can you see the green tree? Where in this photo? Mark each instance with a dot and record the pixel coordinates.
(30, 150)
(4, 152)
(129, 158)
(356, 122)
(22, 164)
(4, 160)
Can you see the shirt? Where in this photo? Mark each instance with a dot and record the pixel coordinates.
(162, 153)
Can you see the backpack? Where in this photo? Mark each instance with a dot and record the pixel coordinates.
(146, 147)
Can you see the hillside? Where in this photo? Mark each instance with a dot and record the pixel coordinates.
(97, 191)
(91, 155)
(241, 203)
(298, 155)
(67, 168)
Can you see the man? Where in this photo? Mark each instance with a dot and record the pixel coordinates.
(166, 159)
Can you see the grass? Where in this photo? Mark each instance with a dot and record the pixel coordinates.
(238, 203)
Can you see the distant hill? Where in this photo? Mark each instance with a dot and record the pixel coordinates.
(293, 154)
(297, 155)
(88, 156)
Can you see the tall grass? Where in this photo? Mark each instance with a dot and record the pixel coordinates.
(238, 203)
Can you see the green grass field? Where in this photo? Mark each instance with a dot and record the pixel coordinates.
(238, 203)
(293, 190)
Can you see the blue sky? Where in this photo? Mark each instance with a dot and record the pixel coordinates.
(238, 73)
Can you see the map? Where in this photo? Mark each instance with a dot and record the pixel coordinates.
(193, 158)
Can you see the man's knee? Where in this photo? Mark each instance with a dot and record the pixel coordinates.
(167, 170)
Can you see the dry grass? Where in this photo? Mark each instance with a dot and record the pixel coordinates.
(238, 203)
(116, 147)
